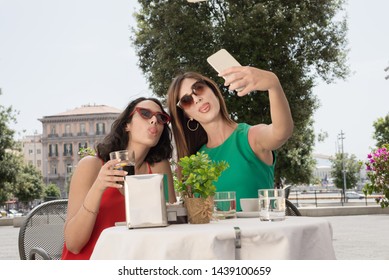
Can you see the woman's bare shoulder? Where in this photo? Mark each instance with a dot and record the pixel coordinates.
(90, 162)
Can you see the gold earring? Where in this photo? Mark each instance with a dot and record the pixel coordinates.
(188, 126)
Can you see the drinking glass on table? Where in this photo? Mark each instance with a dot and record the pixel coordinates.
(271, 204)
(127, 161)
(224, 205)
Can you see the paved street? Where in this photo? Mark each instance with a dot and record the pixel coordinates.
(362, 237)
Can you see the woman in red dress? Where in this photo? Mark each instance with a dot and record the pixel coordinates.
(96, 198)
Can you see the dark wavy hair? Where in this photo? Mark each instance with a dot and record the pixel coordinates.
(117, 138)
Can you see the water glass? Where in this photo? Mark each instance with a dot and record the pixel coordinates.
(127, 161)
(271, 204)
(224, 205)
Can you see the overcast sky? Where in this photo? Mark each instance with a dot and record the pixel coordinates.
(56, 55)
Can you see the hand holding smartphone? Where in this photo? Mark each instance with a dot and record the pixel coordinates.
(222, 60)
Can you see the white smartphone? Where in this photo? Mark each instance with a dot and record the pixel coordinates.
(222, 60)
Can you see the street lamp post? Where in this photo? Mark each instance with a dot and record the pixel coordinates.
(341, 137)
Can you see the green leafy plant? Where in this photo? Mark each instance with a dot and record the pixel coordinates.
(198, 175)
(83, 152)
(377, 168)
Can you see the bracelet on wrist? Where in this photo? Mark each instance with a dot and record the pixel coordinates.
(90, 211)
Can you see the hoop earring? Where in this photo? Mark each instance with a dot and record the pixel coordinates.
(188, 126)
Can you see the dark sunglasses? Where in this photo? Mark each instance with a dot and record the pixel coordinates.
(198, 88)
(147, 114)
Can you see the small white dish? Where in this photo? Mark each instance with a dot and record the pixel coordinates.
(253, 214)
(249, 204)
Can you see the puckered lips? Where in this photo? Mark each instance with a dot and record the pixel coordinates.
(205, 108)
(153, 130)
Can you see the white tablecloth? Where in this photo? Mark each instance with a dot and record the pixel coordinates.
(296, 238)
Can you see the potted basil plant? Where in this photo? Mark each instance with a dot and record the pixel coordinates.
(196, 185)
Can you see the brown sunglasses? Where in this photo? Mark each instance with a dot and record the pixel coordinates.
(187, 100)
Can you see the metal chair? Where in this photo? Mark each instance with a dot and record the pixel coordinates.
(41, 235)
(291, 209)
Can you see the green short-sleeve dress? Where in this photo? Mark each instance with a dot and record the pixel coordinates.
(246, 173)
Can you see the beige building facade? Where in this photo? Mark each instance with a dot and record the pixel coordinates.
(32, 150)
(65, 133)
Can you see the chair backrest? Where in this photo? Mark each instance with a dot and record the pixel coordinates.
(291, 209)
(43, 232)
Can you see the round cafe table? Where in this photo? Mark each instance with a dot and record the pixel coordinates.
(295, 238)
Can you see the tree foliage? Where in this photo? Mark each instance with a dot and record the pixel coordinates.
(51, 191)
(10, 163)
(381, 131)
(298, 40)
(352, 167)
(29, 184)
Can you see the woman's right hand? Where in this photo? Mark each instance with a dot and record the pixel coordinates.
(110, 177)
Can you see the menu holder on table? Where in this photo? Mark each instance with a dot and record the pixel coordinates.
(145, 202)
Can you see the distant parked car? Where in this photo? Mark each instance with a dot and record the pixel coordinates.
(14, 213)
(352, 195)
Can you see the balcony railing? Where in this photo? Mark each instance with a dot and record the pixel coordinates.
(82, 134)
(67, 135)
(52, 135)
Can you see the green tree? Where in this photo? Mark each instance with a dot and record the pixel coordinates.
(29, 184)
(298, 40)
(352, 167)
(51, 191)
(10, 167)
(381, 131)
(10, 163)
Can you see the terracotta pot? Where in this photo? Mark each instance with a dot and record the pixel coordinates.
(199, 210)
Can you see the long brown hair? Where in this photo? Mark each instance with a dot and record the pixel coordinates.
(189, 142)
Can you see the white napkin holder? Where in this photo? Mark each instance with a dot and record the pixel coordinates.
(145, 203)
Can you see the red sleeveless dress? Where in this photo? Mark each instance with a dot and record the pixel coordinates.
(111, 210)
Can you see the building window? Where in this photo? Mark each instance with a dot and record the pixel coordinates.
(30, 151)
(82, 130)
(38, 151)
(39, 163)
(82, 145)
(100, 128)
(67, 150)
(52, 130)
(68, 132)
(53, 169)
(53, 150)
(69, 168)
(67, 128)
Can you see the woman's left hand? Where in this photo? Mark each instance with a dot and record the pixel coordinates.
(245, 79)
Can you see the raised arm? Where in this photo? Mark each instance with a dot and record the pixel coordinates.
(262, 136)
